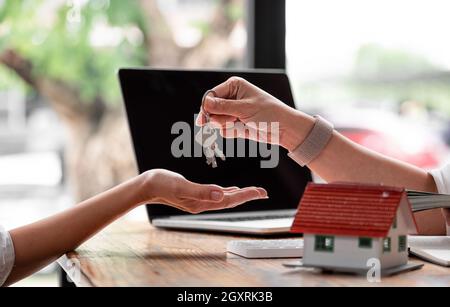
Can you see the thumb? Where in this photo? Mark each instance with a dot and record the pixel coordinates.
(221, 106)
(202, 192)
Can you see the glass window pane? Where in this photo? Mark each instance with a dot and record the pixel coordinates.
(77, 47)
(324, 243)
(361, 63)
(365, 242)
(387, 245)
(205, 34)
(402, 243)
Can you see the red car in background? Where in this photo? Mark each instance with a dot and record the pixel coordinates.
(412, 141)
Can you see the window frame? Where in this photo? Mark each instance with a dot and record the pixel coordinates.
(388, 248)
(320, 243)
(365, 246)
(266, 40)
(402, 247)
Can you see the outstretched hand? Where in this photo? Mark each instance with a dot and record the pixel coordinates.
(166, 187)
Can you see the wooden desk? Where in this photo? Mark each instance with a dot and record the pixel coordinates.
(136, 254)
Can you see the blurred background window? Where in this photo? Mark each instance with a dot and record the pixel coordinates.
(63, 136)
(378, 69)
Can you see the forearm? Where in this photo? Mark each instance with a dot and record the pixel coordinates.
(41, 243)
(345, 161)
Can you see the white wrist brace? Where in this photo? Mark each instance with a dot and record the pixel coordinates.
(314, 143)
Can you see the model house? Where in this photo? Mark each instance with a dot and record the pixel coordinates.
(345, 225)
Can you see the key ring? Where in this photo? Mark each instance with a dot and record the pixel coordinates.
(203, 101)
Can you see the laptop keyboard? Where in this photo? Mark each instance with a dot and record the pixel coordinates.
(250, 218)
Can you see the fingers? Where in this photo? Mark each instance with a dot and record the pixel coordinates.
(236, 198)
(213, 193)
(221, 106)
(218, 121)
(201, 120)
(231, 189)
(190, 190)
(230, 89)
(227, 102)
(240, 130)
(222, 120)
(230, 200)
(263, 193)
(232, 197)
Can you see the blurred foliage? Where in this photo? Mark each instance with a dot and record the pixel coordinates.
(234, 11)
(435, 94)
(41, 30)
(9, 80)
(373, 60)
(380, 76)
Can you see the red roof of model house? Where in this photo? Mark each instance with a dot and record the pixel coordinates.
(350, 210)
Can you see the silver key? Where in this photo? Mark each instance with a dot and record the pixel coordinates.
(207, 137)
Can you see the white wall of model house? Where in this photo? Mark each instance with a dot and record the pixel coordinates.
(347, 254)
(395, 257)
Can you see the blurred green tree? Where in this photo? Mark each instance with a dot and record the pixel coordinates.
(381, 74)
(69, 52)
(373, 60)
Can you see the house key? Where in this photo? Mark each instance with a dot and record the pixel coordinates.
(207, 137)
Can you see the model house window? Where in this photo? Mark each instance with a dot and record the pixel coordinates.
(365, 243)
(402, 243)
(324, 244)
(387, 245)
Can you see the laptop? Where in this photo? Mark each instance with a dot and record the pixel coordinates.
(156, 100)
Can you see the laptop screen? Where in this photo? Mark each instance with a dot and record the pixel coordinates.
(161, 107)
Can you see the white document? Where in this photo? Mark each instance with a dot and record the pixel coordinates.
(432, 249)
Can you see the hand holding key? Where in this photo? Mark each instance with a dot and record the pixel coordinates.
(237, 103)
(207, 137)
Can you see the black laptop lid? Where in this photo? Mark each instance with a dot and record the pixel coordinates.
(157, 99)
